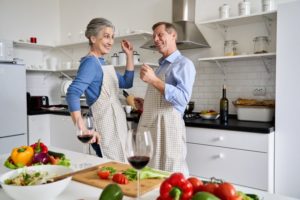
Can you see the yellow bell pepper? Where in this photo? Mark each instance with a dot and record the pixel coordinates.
(22, 155)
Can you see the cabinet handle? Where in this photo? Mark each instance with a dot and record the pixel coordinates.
(221, 138)
(221, 155)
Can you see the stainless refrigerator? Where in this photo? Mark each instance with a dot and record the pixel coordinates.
(13, 113)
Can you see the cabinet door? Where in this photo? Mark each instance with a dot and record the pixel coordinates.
(39, 128)
(246, 168)
(63, 133)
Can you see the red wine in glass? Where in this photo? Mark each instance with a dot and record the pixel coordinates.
(84, 138)
(138, 162)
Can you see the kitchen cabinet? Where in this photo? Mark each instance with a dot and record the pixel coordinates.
(39, 128)
(63, 133)
(243, 158)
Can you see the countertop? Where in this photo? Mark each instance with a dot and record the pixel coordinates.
(233, 124)
(76, 190)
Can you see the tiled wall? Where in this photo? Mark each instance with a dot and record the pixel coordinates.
(240, 77)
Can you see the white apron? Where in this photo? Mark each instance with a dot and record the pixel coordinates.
(167, 129)
(110, 118)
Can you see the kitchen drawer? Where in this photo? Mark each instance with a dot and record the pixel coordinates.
(232, 139)
(240, 167)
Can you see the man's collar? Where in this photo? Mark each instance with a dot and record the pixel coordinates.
(170, 59)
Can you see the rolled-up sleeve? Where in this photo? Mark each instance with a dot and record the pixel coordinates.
(126, 80)
(179, 91)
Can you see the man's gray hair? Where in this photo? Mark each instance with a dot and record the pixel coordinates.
(95, 26)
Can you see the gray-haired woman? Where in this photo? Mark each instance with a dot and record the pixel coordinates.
(100, 83)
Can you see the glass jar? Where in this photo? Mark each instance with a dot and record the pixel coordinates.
(244, 8)
(230, 48)
(224, 11)
(267, 5)
(261, 44)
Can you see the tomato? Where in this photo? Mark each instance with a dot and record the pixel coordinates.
(196, 183)
(103, 174)
(120, 178)
(209, 187)
(226, 191)
(237, 197)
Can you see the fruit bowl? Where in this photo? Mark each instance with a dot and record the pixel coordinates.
(209, 114)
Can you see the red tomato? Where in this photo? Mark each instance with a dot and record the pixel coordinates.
(209, 187)
(103, 174)
(196, 183)
(120, 178)
(226, 191)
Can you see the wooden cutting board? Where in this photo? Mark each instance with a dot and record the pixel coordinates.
(90, 177)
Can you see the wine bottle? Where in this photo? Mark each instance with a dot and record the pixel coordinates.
(224, 107)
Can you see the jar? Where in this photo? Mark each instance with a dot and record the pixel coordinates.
(261, 44)
(224, 11)
(114, 59)
(230, 48)
(136, 57)
(244, 8)
(122, 58)
(267, 5)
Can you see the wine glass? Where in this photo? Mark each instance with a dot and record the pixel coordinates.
(139, 148)
(84, 130)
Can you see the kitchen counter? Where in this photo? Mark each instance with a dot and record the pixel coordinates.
(76, 190)
(233, 124)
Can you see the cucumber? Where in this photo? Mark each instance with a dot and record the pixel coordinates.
(56, 154)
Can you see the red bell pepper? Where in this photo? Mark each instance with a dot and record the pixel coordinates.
(176, 187)
(39, 147)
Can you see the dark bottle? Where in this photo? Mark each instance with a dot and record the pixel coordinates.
(224, 107)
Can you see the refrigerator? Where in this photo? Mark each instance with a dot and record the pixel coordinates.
(13, 107)
(287, 130)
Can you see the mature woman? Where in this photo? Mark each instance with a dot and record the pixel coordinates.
(100, 83)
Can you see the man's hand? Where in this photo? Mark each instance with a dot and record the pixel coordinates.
(96, 138)
(147, 74)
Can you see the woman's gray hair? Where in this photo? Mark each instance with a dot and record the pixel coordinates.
(95, 26)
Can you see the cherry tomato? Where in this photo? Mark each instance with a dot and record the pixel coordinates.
(226, 191)
(196, 183)
(120, 178)
(209, 187)
(103, 174)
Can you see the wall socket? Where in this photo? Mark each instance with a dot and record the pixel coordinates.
(259, 91)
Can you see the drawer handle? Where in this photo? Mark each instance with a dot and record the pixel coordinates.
(221, 138)
(221, 156)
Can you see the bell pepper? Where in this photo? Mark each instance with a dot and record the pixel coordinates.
(176, 187)
(111, 192)
(39, 147)
(22, 155)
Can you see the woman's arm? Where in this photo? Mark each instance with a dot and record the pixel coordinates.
(128, 49)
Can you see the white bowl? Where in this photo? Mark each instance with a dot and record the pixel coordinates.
(37, 192)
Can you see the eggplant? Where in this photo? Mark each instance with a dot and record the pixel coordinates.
(41, 158)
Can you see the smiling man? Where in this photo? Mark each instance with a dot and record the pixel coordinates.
(169, 91)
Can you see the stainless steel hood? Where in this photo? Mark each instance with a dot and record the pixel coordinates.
(189, 36)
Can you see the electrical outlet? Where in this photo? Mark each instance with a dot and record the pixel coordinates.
(259, 91)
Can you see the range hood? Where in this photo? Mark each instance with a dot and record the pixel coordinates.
(189, 36)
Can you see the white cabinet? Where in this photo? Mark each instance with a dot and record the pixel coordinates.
(243, 158)
(39, 128)
(63, 133)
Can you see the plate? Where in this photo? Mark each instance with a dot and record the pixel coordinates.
(64, 86)
(209, 116)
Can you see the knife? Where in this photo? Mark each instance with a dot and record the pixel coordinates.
(125, 93)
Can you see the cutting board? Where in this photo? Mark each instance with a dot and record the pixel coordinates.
(90, 177)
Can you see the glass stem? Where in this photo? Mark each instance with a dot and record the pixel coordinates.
(138, 184)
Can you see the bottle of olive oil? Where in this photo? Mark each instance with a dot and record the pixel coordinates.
(224, 107)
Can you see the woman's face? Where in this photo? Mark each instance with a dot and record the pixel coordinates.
(104, 41)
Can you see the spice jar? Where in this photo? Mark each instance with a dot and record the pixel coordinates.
(261, 44)
(224, 11)
(267, 5)
(230, 48)
(244, 8)
(136, 57)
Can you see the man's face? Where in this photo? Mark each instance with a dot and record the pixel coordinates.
(164, 40)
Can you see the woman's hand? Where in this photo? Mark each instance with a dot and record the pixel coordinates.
(127, 47)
